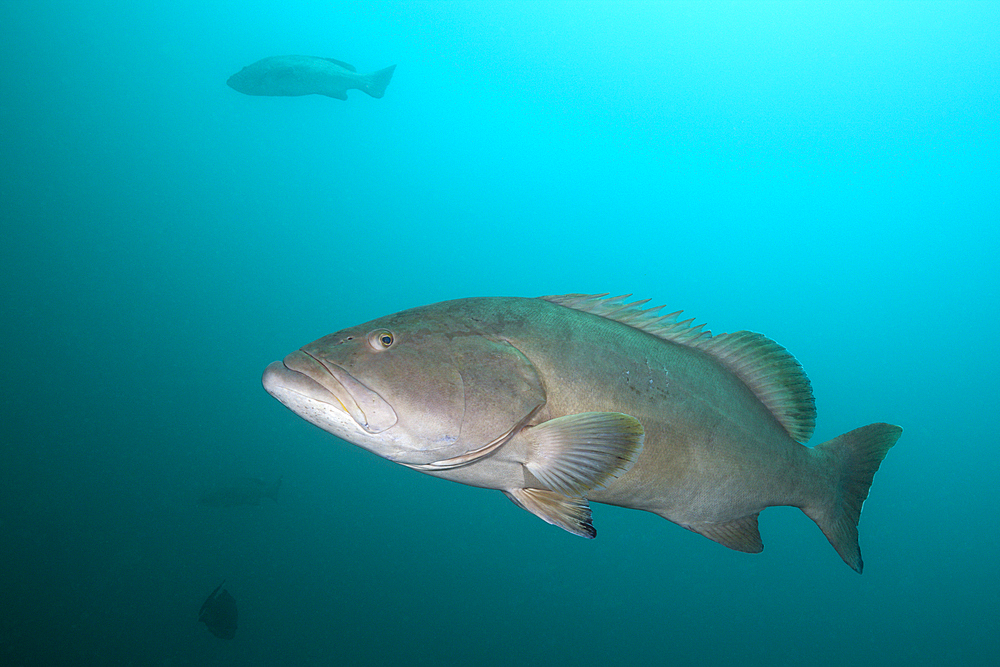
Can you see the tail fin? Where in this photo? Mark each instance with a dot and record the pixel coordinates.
(272, 492)
(851, 461)
(377, 81)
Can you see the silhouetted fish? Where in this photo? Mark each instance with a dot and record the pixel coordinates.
(218, 613)
(289, 76)
(246, 491)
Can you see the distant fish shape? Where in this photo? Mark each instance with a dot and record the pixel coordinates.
(218, 613)
(246, 491)
(290, 76)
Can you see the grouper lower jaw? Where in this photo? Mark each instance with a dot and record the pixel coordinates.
(329, 383)
(311, 401)
(280, 382)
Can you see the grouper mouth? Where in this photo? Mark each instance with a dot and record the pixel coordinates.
(304, 375)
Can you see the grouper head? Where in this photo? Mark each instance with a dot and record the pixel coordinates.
(419, 387)
(244, 81)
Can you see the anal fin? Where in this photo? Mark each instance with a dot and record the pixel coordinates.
(740, 535)
(571, 513)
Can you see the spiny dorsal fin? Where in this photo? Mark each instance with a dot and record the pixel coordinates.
(669, 327)
(773, 374)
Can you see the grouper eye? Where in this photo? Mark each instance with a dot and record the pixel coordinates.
(380, 339)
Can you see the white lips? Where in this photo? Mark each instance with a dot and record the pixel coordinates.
(309, 400)
(278, 379)
(321, 382)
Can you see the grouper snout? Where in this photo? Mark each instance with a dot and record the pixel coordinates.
(279, 380)
(330, 392)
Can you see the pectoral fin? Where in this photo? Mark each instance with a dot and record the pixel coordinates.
(577, 453)
(569, 513)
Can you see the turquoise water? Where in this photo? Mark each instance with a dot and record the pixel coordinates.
(824, 173)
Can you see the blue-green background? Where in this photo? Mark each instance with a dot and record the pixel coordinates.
(825, 173)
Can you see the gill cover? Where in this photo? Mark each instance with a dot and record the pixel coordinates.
(501, 389)
(467, 396)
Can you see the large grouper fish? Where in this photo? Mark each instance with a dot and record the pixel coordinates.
(291, 76)
(562, 400)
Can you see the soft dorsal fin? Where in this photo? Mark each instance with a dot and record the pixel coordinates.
(346, 66)
(774, 376)
(768, 369)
